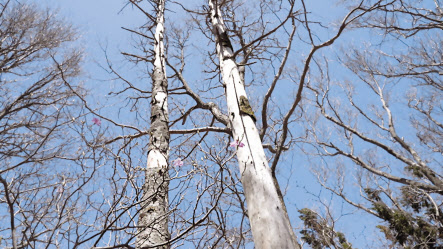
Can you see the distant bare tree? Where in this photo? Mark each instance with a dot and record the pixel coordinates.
(384, 123)
(37, 173)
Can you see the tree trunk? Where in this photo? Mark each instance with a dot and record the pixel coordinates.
(153, 217)
(269, 221)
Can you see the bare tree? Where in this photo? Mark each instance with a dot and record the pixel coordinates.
(153, 217)
(384, 123)
(37, 108)
(268, 217)
(196, 187)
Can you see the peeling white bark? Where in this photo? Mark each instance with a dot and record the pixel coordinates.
(153, 216)
(269, 221)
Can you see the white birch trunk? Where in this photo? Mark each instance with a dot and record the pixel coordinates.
(269, 221)
(153, 216)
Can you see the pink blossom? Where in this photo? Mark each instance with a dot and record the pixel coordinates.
(177, 162)
(96, 121)
(236, 143)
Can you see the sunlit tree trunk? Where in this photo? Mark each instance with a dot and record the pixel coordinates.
(268, 218)
(153, 216)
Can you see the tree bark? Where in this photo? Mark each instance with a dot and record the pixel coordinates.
(269, 221)
(153, 217)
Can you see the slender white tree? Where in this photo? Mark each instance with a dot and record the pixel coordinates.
(153, 216)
